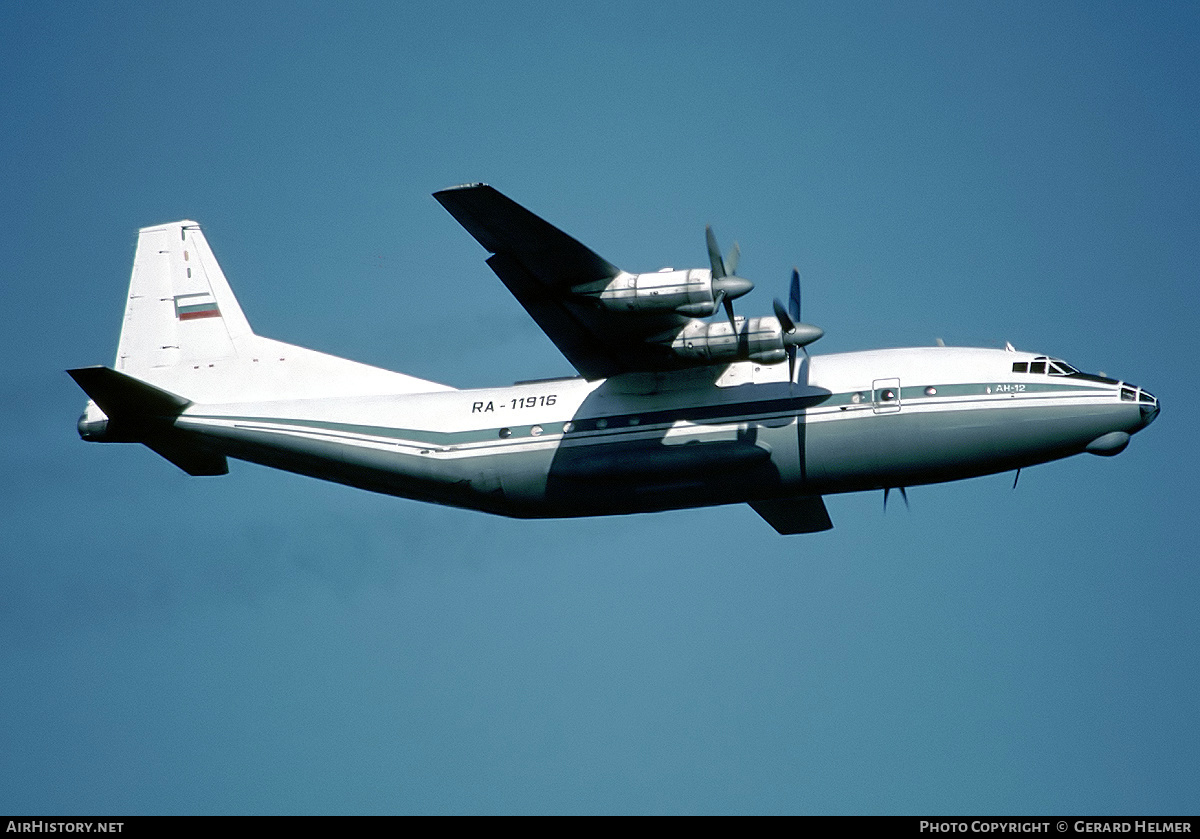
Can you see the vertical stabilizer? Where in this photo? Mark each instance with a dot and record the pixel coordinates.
(185, 333)
(180, 308)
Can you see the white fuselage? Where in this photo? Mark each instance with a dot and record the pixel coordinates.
(861, 420)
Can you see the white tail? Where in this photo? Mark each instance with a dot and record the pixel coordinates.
(180, 309)
(185, 333)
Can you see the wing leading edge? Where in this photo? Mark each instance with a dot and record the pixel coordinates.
(503, 226)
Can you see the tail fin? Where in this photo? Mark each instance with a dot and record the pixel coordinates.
(180, 309)
(185, 340)
(184, 332)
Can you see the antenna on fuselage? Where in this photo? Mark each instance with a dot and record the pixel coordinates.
(903, 494)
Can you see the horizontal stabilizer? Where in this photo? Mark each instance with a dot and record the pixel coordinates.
(141, 413)
(124, 397)
(800, 514)
(187, 456)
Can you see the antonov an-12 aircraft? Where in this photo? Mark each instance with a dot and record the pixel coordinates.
(669, 410)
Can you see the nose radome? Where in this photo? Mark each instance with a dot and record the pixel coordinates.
(1148, 403)
(1149, 413)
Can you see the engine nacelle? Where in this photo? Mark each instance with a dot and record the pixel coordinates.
(693, 293)
(689, 293)
(756, 339)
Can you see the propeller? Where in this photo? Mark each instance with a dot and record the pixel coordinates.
(726, 285)
(795, 333)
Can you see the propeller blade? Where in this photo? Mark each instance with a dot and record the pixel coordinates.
(714, 253)
(794, 297)
(797, 333)
(725, 285)
(785, 320)
(789, 329)
(904, 495)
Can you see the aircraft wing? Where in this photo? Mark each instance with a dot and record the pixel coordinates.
(541, 265)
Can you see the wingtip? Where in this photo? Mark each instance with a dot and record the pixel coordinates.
(458, 187)
(185, 223)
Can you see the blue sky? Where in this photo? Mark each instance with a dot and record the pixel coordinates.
(266, 643)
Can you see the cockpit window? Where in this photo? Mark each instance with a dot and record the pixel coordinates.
(1044, 364)
(1128, 394)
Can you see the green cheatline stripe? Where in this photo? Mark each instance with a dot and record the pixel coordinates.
(646, 419)
(432, 438)
(917, 393)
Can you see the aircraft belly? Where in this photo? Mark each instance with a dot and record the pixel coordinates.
(536, 483)
(701, 468)
(914, 447)
(378, 467)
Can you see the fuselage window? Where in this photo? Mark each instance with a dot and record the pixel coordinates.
(1020, 366)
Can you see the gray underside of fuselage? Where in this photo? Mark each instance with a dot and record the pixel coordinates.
(910, 448)
(754, 461)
